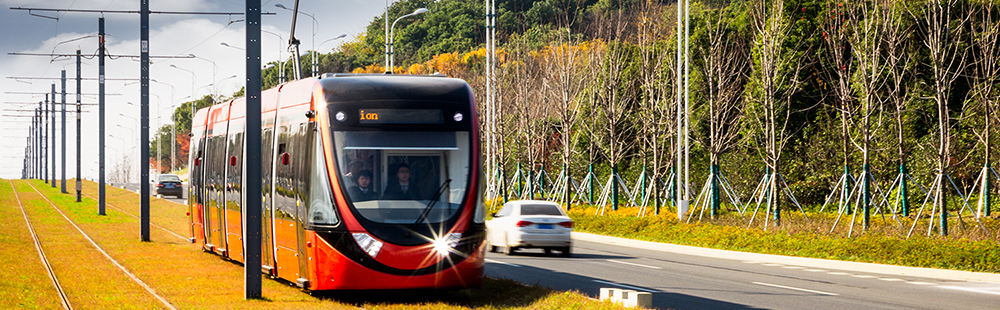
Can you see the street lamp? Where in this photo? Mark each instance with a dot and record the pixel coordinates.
(315, 64)
(192, 89)
(281, 61)
(328, 40)
(392, 33)
(215, 68)
(223, 79)
(227, 45)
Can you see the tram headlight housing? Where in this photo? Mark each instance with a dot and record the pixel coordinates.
(367, 243)
(447, 243)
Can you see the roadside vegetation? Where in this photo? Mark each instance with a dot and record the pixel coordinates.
(886, 244)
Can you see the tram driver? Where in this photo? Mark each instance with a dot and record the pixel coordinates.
(403, 189)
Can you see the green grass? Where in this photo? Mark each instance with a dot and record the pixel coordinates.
(885, 244)
(179, 271)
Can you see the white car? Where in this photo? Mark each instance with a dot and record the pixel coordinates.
(526, 224)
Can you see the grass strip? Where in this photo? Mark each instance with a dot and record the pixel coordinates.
(24, 282)
(89, 280)
(190, 278)
(917, 251)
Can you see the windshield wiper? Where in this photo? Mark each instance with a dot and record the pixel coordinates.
(433, 201)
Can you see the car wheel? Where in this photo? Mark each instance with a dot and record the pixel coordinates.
(548, 251)
(492, 248)
(565, 252)
(508, 250)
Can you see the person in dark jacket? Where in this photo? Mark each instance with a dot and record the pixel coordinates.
(363, 191)
(403, 189)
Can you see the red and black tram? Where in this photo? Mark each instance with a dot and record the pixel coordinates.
(369, 182)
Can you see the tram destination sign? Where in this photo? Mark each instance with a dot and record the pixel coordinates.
(400, 116)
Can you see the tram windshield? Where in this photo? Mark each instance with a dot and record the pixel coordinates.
(404, 177)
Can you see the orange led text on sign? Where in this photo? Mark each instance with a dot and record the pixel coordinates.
(369, 116)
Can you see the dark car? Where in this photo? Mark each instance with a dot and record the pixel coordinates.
(169, 185)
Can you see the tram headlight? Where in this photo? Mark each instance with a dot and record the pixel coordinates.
(447, 243)
(367, 243)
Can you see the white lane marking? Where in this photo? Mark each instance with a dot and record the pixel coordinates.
(862, 276)
(815, 270)
(627, 286)
(750, 262)
(970, 290)
(919, 283)
(891, 279)
(502, 263)
(634, 264)
(796, 289)
(772, 265)
(792, 267)
(838, 273)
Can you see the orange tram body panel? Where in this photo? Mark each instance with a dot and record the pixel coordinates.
(369, 182)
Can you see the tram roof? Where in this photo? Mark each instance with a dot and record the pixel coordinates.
(367, 87)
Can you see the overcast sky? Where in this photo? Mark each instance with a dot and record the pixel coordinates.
(170, 35)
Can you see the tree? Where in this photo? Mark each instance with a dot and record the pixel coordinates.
(775, 77)
(724, 54)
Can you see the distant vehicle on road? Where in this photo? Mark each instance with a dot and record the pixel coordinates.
(526, 224)
(169, 185)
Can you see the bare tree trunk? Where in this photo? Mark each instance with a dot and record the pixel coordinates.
(947, 61)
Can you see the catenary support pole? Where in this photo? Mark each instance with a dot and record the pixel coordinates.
(100, 137)
(62, 169)
(144, 120)
(79, 109)
(53, 134)
(44, 107)
(252, 170)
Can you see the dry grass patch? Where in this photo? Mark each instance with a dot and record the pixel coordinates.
(24, 282)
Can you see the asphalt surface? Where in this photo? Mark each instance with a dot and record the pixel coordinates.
(680, 281)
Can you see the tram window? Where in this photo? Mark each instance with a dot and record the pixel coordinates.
(406, 173)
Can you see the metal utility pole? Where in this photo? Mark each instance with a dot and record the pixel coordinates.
(79, 110)
(144, 119)
(63, 169)
(293, 42)
(53, 135)
(251, 164)
(45, 142)
(100, 136)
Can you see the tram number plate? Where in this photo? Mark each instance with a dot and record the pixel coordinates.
(544, 226)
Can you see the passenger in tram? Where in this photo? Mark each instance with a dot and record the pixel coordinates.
(403, 189)
(353, 169)
(363, 191)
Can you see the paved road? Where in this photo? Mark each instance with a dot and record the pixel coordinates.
(152, 190)
(681, 281)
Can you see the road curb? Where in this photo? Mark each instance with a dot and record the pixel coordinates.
(791, 260)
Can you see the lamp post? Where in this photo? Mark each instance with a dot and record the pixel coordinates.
(223, 79)
(281, 61)
(215, 68)
(392, 33)
(315, 64)
(192, 90)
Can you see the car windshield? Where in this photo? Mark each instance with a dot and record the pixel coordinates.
(404, 177)
(169, 178)
(540, 210)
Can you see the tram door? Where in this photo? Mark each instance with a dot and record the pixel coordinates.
(234, 189)
(218, 192)
(207, 190)
(285, 203)
(267, 174)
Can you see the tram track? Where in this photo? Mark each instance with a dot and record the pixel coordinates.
(101, 250)
(41, 253)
